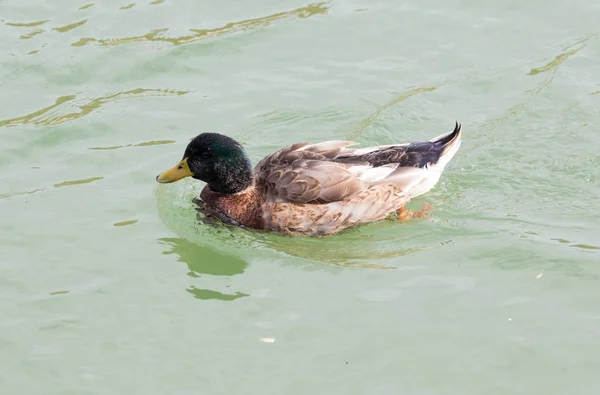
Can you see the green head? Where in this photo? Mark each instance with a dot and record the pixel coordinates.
(218, 160)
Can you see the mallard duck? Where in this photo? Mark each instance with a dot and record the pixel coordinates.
(313, 189)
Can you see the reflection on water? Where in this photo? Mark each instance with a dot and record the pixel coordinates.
(77, 182)
(355, 247)
(200, 34)
(27, 24)
(578, 245)
(370, 246)
(207, 294)
(555, 62)
(31, 34)
(58, 185)
(70, 26)
(552, 67)
(48, 115)
(202, 261)
(125, 223)
(359, 248)
(585, 247)
(10, 194)
(570, 243)
(144, 144)
(154, 142)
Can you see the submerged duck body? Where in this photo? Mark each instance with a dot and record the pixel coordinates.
(313, 189)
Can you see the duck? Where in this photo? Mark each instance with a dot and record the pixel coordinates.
(313, 189)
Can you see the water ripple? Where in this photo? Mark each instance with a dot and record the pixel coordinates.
(200, 34)
(70, 26)
(31, 34)
(144, 144)
(125, 223)
(208, 294)
(558, 60)
(26, 24)
(364, 124)
(50, 115)
(77, 182)
(11, 194)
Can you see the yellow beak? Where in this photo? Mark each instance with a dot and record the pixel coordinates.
(179, 171)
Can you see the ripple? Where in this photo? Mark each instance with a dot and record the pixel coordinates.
(576, 245)
(200, 34)
(48, 115)
(85, 7)
(26, 24)
(348, 249)
(128, 6)
(112, 147)
(63, 292)
(77, 182)
(7, 195)
(155, 142)
(557, 61)
(125, 223)
(366, 122)
(292, 117)
(585, 246)
(544, 84)
(71, 26)
(144, 144)
(31, 34)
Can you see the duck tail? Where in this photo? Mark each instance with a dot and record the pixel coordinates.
(449, 144)
(448, 139)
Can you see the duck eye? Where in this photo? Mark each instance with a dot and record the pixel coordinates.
(179, 167)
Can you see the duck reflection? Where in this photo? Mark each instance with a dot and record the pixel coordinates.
(352, 248)
(208, 294)
(200, 261)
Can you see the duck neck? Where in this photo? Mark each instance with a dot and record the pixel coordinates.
(242, 207)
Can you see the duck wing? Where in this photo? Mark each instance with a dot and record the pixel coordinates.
(308, 173)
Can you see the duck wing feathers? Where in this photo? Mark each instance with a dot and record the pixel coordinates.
(330, 171)
(308, 173)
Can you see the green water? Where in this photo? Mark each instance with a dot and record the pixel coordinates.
(110, 285)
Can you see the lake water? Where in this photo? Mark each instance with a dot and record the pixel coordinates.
(110, 285)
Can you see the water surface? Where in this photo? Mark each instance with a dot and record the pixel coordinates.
(110, 285)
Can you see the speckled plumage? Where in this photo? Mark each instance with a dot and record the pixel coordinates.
(321, 189)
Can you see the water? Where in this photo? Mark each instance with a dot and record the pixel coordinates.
(109, 284)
